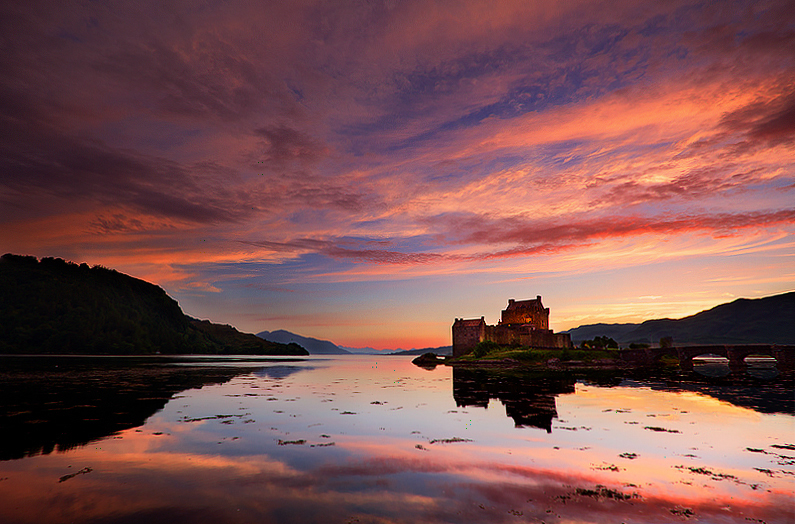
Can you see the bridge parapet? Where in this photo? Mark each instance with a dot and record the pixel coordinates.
(784, 355)
(638, 357)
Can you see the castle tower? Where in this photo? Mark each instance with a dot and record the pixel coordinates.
(467, 333)
(530, 312)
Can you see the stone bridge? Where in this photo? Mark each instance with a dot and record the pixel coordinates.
(784, 355)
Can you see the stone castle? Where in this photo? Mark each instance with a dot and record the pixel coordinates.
(523, 323)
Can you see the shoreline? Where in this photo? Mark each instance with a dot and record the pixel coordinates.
(673, 357)
(510, 363)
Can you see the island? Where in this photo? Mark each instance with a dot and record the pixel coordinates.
(760, 328)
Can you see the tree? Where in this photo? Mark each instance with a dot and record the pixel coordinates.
(599, 343)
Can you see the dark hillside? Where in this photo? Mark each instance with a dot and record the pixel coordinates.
(768, 320)
(57, 307)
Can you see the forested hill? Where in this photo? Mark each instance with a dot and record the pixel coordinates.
(767, 320)
(57, 307)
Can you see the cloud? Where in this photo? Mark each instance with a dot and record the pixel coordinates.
(38, 161)
(694, 184)
(285, 144)
(118, 222)
(772, 121)
(481, 230)
(206, 77)
(778, 127)
(342, 250)
(528, 237)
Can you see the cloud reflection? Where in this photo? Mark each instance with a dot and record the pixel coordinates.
(397, 489)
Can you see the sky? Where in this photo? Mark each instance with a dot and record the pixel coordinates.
(366, 172)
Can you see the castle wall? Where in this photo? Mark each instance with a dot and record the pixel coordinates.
(524, 335)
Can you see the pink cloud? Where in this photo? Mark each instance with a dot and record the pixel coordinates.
(533, 237)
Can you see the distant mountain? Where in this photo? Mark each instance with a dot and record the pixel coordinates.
(313, 345)
(325, 347)
(244, 343)
(441, 350)
(365, 351)
(57, 307)
(769, 320)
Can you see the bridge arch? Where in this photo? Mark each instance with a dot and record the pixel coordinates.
(655, 355)
(687, 353)
(741, 352)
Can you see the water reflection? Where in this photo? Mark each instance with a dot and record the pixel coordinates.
(529, 397)
(765, 390)
(358, 440)
(761, 369)
(279, 371)
(59, 404)
(712, 369)
(762, 372)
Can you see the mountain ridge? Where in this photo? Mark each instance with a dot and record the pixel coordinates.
(313, 345)
(766, 320)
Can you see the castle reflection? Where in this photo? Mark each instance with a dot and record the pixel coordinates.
(528, 400)
(530, 397)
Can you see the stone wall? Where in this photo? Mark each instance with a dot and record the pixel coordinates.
(526, 335)
(467, 334)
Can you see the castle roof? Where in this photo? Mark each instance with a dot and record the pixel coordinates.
(469, 321)
(532, 303)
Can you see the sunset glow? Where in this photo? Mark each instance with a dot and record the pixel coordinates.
(367, 173)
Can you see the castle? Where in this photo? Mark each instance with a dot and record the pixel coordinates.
(523, 323)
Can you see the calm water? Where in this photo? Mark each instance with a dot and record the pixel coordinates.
(379, 440)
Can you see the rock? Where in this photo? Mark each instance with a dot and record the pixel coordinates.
(427, 360)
